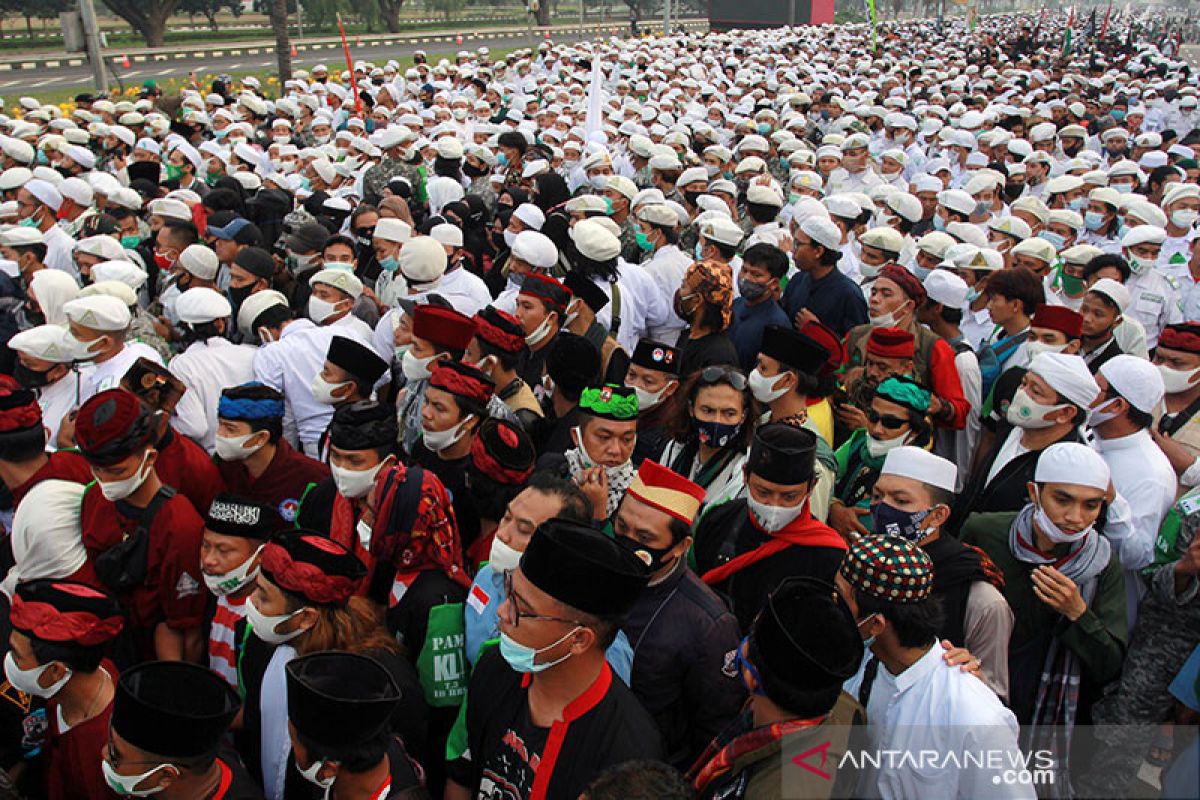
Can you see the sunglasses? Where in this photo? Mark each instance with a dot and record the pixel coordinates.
(892, 423)
(711, 375)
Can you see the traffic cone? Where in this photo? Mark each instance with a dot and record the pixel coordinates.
(358, 41)
(545, 34)
(458, 39)
(293, 51)
(125, 61)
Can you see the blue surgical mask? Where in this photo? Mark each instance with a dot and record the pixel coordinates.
(1078, 204)
(972, 295)
(764, 128)
(939, 222)
(1117, 114)
(522, 658)
(389, 264)
(699, 249)
(1056, 239)
(921, 272)
(305, 184)
(1093, 221)
(887, 520)
(502, 160)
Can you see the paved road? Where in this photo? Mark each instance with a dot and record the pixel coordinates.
(1191, 54)
(70, 77)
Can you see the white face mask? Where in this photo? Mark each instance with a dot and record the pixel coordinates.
(236, 579)
(891, 319)
(1023, 412)
(437, 441)
(119, 490)
(264, 626)
(124, 784)
(1184, 218)
(510, 238)
(1052, 532)
(233, 448)
(354, 483)
(539, 333)
(764, 389)
(80, 350)
(1176, 381)
(880, 447)
(26, 680)
(1098, 416)
(503, 558)
(1141, 265)
(320, 310)
(416, 369)
(1034, 349)
(322, 390)
(310, 775)
(648, 400)
(773, 518)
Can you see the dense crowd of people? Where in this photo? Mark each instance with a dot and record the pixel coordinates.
(627, 419)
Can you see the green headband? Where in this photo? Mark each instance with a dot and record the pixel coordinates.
(610, 402)
(906, 393)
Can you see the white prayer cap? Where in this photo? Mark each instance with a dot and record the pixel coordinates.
(254, 306)
(47, 540)
(1013, 226)
(449, 148)
(201, 305)
(1071, 463)
(121, 270)
(46, 194)
(344, 279)
(824, 232)
(171, 209)
(935, 243)
(945, 287)
(98, 312)
(658, 214)
(113, 289)
(596, 242)
(53, 288)
(200, 260)
(722, 230)
(531, 215)
(423, 260)
(1135, 379)
(390, 229)
(447, 234)
(535, 249)
(1143, 234)
(763, 195)
(957, 200)
(78, 190)
(920, 465)
(1113, 290)
(1068, 375)
(586, 204)
(22, 236)
(47, 342)
(927, 183)
(884, 238)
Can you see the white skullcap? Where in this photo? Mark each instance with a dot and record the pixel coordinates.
(447, 234)
(47, 342)
(535, 249)
(1068, 375)
(254, 306)
(200, 260)
(957, 200)
(822, 231)
(47, 538)
(22, 236)
(200, 305)
(935, 243)
(53, 288)
(1113, 290)
(1135, 379)
(98, 312)
(722, 230)
(171, 209)
(78, 190)
(945, 287)
(116, 289)
(46, 194)
(121, 270)
(449, 148)
(390, 229)
(658, 214)
(1071, 463)
(342, 279)
(423, 260)
(1143, 234)
(884, 238)
(764, 195)
(531, 215)
(927, 183)
(920, 465)
(594, 241)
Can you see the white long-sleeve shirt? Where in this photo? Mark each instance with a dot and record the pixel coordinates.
(206, 368)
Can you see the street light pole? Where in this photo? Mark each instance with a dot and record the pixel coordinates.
(91, 36)
(666, 17)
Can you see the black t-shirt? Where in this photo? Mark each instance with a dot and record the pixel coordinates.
(714, 348)
(511, 767)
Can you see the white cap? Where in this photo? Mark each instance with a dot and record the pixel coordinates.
(99, 312)
(253, 307)
(594, 241)
(21, 235)
(764, 195)
(957, 200)
(1071, 463)
(53, 288)
(1135, 379)
(531, 215)
(658, 214)
(1068, 375)
(47, 342)
(171, 209)
(340, 278)
(945, 287)
(535, 249)
(920, 465)
(822, 231)
(1143, 234)
(201, 305)
(722, 230)
(126, 272)
(390, 229)
(447, 234)
(423, 260)
(46, 194)
(200, 260)
(1113, 290)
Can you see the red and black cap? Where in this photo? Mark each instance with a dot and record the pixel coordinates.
(444, 327)
(793, 350)
(357, 360)
(549, 290)
(339, 700)
(503, 451)
(173, 709)
(66, 612)
(500, 330)
(113, 425)
(825, 336)
(1066, 321)
(1183, 336)
(462, 380)
(313, 566)
(19, 409)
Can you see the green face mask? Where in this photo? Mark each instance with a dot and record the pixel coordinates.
(174, 172)
(212, 177)
(643, 242)
(130, 242)
(1071, 285)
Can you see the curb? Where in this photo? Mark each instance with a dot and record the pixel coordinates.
(159, 55)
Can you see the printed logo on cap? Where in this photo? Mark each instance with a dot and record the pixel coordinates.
(288, 509)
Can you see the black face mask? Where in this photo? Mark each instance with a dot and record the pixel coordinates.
(238, 295)
(692, 196)
(472, 171)
(365, 235)
(652, 557)
(31, 378)
(1013, 190)
(35, 315)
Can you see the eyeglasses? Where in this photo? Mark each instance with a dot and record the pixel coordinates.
(711, 375)
(889, 421)
(515, 614)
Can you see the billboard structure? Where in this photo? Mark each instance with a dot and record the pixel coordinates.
(726, 14)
